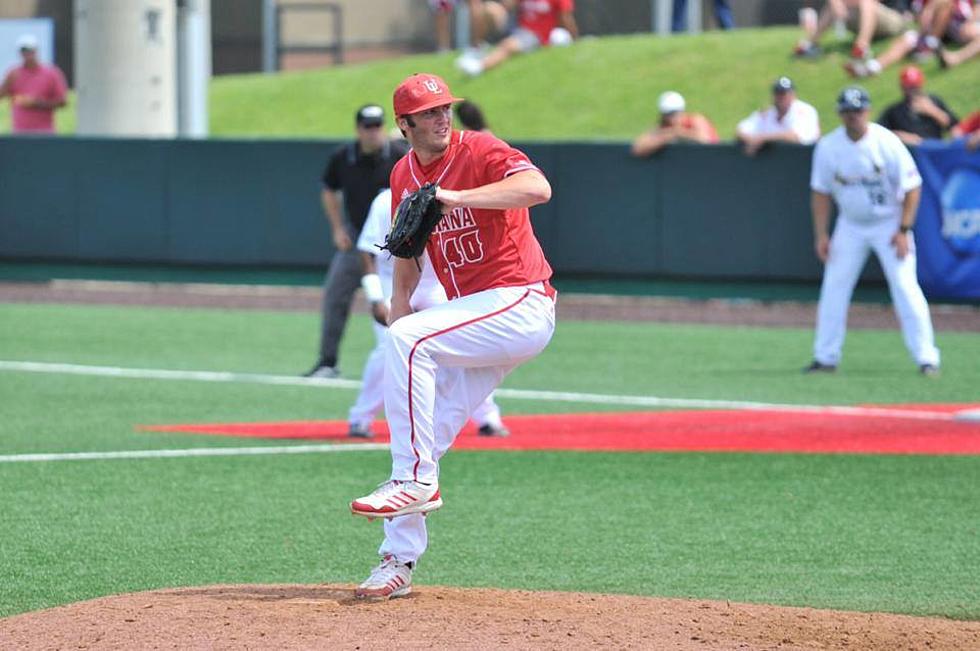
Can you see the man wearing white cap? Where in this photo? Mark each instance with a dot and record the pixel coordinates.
(36, 90)
(675, 125)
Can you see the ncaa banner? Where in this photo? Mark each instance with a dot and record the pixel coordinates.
(947, 229)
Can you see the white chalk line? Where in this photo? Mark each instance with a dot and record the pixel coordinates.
(193, 452)
(514, 394)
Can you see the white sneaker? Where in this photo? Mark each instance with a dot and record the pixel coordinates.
(470, 65)
(394, 498)
(388, 580)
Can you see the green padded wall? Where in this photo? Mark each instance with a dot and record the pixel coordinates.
(705, 212)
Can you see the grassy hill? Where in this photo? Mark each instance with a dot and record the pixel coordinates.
(599, 89)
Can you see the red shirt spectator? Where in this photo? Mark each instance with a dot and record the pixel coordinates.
(970, 128)
(542, 16)
(969, 124)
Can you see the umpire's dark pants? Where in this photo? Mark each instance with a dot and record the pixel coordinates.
(343, 279)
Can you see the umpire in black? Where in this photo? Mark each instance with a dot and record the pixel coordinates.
(357, 171)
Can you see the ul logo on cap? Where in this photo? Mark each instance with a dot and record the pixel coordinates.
(432, 86)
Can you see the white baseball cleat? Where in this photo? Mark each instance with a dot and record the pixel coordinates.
(394, 498)
(470, 65)
(388, 580)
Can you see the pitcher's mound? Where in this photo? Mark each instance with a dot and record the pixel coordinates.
(328, 617)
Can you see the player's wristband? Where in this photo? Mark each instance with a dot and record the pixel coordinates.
(371, 283)
(904, 229)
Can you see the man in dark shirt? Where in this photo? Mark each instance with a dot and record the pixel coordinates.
(919, 116)
(356, 171)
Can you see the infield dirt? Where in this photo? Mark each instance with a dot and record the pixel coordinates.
(328, 617)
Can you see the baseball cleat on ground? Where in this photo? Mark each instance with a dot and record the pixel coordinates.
(818, 367)
(388, 580)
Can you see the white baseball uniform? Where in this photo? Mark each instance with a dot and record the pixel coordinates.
(868, 180)
(801, 119)
(428, 293)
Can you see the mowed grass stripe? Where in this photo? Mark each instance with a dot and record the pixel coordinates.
(517, 394)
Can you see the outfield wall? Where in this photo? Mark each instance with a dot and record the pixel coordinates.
(704, 212)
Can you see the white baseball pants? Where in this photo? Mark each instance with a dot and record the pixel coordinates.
(849, 249)
(440, 364)
(372, 398)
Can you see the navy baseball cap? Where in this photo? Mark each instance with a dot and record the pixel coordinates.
(783, 85)
(853, 98)
(371, 115)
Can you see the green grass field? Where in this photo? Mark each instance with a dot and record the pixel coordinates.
(861, 532)
(602, 88)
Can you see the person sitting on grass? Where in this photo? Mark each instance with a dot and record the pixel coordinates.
(540, 23)
(868, 19)
(953, 20)
(952, 58)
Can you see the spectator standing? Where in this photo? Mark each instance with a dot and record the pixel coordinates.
(378, 273)
(354, 174)
(870, 175)
(969, 128)
(918, 116)
(540, 23)
(440, 363)
(789, 119)
(676, 124)
(36, 90)
(868, 19)
(678, 16)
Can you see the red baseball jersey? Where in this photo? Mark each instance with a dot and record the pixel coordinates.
(473, 249)
(541, 16)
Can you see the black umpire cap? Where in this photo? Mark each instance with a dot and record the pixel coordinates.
(783, 85)
(370, 115)
(853, 98)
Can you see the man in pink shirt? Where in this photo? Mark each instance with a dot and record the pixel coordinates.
(36, 90)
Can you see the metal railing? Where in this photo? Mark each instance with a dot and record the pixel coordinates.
(276, 49)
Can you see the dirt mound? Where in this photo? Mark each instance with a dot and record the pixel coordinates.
(327, 616)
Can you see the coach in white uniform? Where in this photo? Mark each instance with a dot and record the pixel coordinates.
(876, 186)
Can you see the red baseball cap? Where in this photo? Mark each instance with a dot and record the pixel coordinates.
(420, 92)
(911, 77)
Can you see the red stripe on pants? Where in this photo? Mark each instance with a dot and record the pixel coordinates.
(411, 414)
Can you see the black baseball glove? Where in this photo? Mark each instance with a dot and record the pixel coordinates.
(416, 217)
